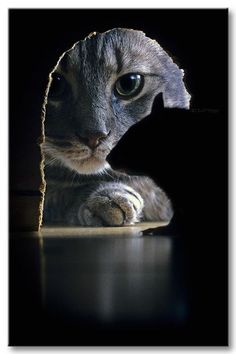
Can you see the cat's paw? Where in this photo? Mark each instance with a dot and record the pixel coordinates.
(113, 204)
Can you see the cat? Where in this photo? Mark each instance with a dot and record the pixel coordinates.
(98, 89)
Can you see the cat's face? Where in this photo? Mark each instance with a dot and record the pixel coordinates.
(99, 89)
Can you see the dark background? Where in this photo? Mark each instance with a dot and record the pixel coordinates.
(184, 151)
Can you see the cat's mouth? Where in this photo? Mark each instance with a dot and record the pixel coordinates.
(89, 161)
(76, 156)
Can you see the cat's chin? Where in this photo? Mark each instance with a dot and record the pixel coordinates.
(88, 166)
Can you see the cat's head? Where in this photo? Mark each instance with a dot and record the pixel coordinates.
(99, 89)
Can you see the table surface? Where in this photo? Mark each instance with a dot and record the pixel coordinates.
(101, 286)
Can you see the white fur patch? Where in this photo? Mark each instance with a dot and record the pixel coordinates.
(81, 160)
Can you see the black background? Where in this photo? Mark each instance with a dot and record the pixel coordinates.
(184, 151)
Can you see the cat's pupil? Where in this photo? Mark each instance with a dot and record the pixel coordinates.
(129, 85)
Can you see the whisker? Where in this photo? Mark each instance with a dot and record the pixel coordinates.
(73, 177)
(107, 173)
(51, 161)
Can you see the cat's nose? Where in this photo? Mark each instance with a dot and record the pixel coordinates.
(93, 138)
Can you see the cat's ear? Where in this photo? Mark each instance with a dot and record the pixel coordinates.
(175, 94)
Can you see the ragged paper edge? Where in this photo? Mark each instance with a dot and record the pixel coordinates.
(43, 184)
(42, 187)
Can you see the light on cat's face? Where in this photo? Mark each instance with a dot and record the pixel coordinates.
(85, 150)
(98, 90)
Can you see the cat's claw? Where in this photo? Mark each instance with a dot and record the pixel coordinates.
(112, 205)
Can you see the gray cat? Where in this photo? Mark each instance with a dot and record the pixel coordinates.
(97, 91)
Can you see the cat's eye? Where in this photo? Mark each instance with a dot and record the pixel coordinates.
(57, 86)
(129, 85)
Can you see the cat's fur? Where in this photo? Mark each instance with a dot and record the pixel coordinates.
(82, 189)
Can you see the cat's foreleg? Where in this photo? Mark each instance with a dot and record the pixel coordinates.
(108, 203)
(133, 199)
